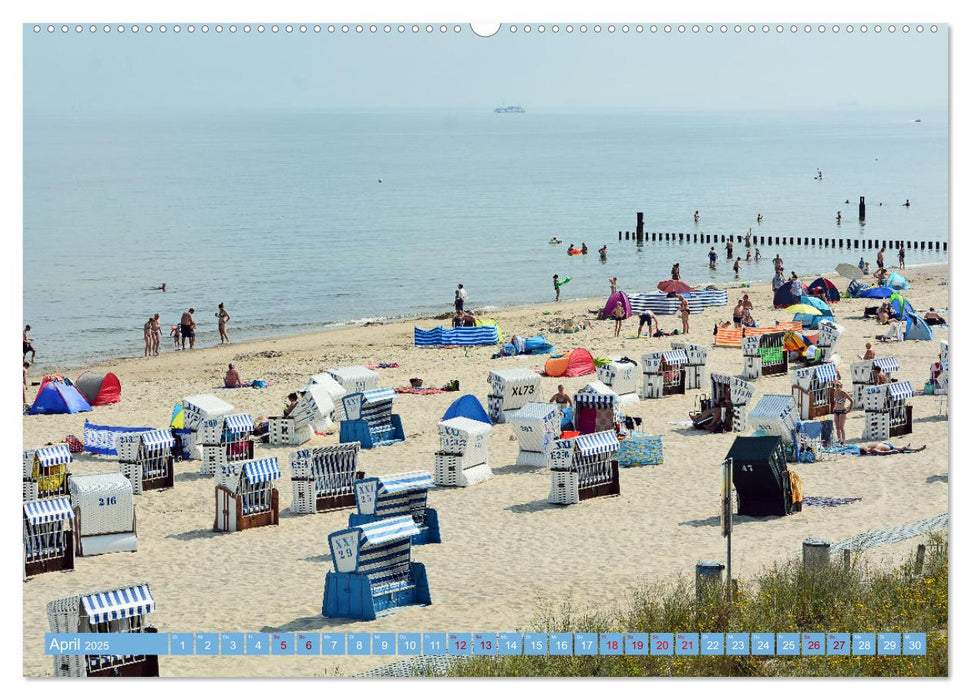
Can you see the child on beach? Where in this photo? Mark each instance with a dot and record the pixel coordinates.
(869, 354)
(556, 286)
(176, 334)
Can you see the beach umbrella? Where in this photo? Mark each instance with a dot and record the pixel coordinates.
(178, 417)
(875, 293)
(804, 309)
(674, 287)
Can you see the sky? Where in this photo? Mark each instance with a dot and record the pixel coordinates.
(125, 73)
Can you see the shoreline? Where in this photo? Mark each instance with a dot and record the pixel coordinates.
(345, 326)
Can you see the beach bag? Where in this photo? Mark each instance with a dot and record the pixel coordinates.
(259, 384)
(929, 389)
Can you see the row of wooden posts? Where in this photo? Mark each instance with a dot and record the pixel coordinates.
(847, 243)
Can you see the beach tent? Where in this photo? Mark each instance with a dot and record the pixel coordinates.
(816, 303)
(99, 389)
(896, 281)
(875, 293)
(917, 328)
(490, 322)
(827, 288)
(809, 321)
(854, 288)
(784, 296)
(900, 307)
(467, 407)
(616, 299)
(58, 397)
(576, 363)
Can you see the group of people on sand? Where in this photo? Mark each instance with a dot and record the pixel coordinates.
(742, 313)
(463, 319)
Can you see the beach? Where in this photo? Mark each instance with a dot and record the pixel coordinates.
(505, 551)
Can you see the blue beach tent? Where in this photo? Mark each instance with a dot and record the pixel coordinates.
(875, 293)
(467, 407)
(58, 397)
(817, 303)
(896, 281)
(917, 328)
(784, 296)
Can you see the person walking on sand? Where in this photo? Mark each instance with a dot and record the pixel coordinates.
(685, 313)
(156, 334)
(556, 286)
(460, 298)
(618, 314)
(223, 317)
(900, 256)
(28, 343)
(232, 380)
(712, 258)
(187, 326)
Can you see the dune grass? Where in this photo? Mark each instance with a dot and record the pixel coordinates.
(786, 598)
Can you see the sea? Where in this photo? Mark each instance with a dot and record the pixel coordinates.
(305, 221)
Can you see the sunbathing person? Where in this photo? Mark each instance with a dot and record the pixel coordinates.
(883, 314)
(869, 354)
(710, 419)
(885, 448)
(934, 319)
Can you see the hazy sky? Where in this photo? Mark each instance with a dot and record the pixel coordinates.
(179, 73)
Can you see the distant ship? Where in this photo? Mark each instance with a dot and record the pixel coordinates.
(917, 121)
(511, 109)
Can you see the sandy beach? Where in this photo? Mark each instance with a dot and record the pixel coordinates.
(505, 550)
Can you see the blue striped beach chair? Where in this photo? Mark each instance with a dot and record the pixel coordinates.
(323, 477)
(246, 495)
(118, 611)
(396, 495)
(48, 539)
(584, 467)
(373, 572)
(147, 459)
(370, 419)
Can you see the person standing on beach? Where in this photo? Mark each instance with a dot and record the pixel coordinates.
(777, 281)
(149, 342)
(28, 343)
(618, 314)
(900, 256)
(460, 298)
(556, 286)
(685, 313)
(796, 283)
(188, 327)
(842, 404)
(156, 334)
(223, 316)
(712, 258)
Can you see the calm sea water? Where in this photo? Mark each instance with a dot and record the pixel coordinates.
(283, 217)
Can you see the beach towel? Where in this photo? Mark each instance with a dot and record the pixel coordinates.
(383, 365)
(827, 501)
(255, 384)
(843, 450)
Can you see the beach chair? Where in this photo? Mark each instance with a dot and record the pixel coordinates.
(733, 395)
(104, 508)
(379, 498)
(583, 467)
(323, 478)
(354, 380)
(48, 539)
(195, 411)
(313, 411)
(829, 335)
(464, 456)
(775, 415)
(764, 354)
(373, 571)
(640, 449)
(595, 408)
(812, 390)
(118, 611)
(334, 390)
(147, 459)
(369, 419)
(246, 496)
(46, 471)
(664, 373)
(225, 439)
(511, 389)
(622, 378)
(864, 374)
(694, 369)
(887, 412)
(761, 479)
(535, 426)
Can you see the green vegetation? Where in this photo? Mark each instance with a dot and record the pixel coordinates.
(786, 598)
